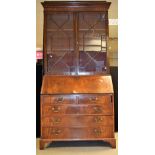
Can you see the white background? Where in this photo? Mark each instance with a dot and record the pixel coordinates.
(136, 77)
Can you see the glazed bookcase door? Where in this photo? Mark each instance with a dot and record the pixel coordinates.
(60, 43)
(92, 42)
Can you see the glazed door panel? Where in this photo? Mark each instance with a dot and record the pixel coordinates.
(76, 43)
(92, 42)
(60, 43)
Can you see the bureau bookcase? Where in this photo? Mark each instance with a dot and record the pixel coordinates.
(77, 98)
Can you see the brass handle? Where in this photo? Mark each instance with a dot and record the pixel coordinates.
(97, 132)
(60, 99)
(56, 120)
(56, 131)
(97, 109)
(55, 109)
(98, 119)
(93, 99)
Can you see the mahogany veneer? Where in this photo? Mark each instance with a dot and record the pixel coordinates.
(76, 85)
(77, 98)
(77, 112)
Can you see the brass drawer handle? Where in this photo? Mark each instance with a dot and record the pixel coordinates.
(93, 99)
(60, 99)
(56, 131)
(56, 120)
(97, 132)
(55, 109)
(97, 109)
(98, 119)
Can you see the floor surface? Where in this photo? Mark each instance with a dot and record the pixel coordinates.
(78, 148)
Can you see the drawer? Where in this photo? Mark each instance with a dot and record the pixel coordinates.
(58, 99)
(94, 99)
(77, 121)
(76, 99)
(107, 109)
(63, 133)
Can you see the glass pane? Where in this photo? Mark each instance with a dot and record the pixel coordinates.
(92, 43)
(60, 43)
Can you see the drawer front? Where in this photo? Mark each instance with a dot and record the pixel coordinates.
(77, 121)
(58, 99)
(77, 99)
(107, 109)
(94, 99)
(77, 133)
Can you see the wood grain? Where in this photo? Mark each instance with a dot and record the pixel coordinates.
(76, 84)
(77, 97)
(77, 120)
(77, 133)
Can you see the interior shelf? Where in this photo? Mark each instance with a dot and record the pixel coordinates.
(61, 30)
(91, 45)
